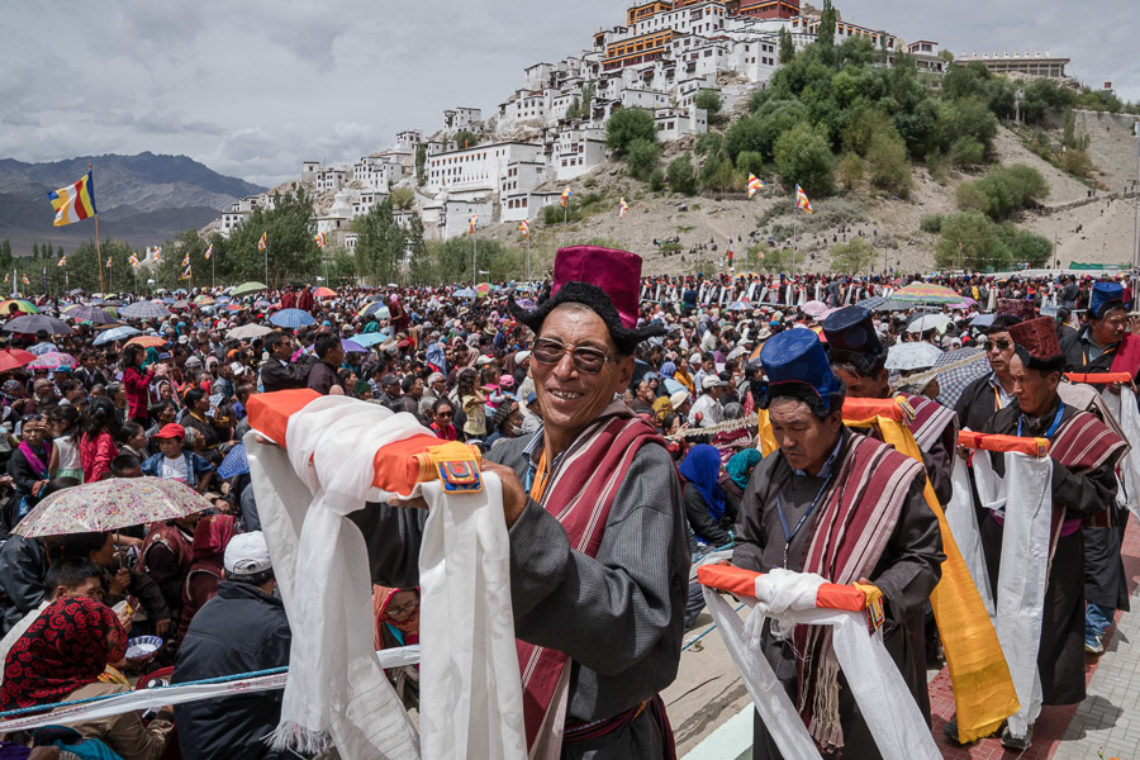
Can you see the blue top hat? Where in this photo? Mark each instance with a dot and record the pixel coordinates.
(797, 356)
(1104, 293)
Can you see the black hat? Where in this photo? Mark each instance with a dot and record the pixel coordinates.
(851, 337)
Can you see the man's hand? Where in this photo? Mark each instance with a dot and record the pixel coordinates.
(121, 582)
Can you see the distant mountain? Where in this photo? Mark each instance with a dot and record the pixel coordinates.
(142, 199)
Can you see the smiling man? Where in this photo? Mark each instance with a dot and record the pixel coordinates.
(599, 547)
(824, 481)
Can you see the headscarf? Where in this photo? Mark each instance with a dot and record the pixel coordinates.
(740, 466)
(661, 407)
(667, 369)
(381, 598)
(68, 646)
(212, 535)
(701, 469)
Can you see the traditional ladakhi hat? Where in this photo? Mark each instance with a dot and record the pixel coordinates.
(1105, 294)
(796, 357)
(1016, 307)
(1038, 337)
(605, 280)
(852, 338)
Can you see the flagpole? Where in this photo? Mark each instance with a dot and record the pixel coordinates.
(266, 261)
(213, 284)
(474, 271)
(795, 231)
(98, 247)
(565, 215)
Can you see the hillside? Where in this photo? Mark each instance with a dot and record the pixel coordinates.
(891, 225)
(143, 199)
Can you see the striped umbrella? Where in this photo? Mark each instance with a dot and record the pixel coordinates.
(25, 307)
(925, 292)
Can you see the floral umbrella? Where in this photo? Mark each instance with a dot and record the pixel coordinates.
(53, 360)
(109, 504)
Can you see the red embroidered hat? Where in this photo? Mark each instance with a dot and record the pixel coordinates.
(1038, 337)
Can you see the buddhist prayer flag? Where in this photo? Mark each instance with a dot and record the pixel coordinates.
(133, 260)
(209, 251)
(7, 277)
(755, 184)
(108, 262)
(623, 207)
(263, 242)
(730, 253)
(566, 197)
(185, 274)
(472, 223)
(802, 201)
(319, 239)
(75, 202)
(155, 253)
(186, 260)
(26, 280)
(62, 262)
(524, 228)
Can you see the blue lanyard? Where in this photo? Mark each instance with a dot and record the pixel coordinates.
(1052, 428)
(784, 521)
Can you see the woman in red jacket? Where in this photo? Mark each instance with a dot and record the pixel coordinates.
(136, 383)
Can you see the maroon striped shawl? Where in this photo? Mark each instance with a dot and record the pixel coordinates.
(1083, 444)
(931, 421)
(849, 534)
(580, 494)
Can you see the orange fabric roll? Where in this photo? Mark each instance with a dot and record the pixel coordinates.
(269, 412)
(1034, 447)
(724, 577)
(833, 596)
(862, 409)
(1099, 378)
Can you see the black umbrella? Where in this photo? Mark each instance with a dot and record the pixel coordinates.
(32, 323)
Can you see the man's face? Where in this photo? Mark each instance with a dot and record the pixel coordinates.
(335, 356)
(90, 588)
(1034, 390)
(805, 439)
(999, 351)
(171, 448)
(417, 389)
(859, 386)
(439, 387)
(570, 398)
(283, 349)
(89, 362)
(1109, 330)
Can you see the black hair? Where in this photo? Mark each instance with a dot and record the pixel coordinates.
(1002, 323)
(856, 364)
(70, 573)
(1044, 366)
(68, 415)
(129, 430)
(253, 579)
(325, 344)
(595, 299)
(193, 396)
(102, 415)
(272, 340)
(820, 407)
(122, 463)
(131, 354)
(441, 402)
(80, 545)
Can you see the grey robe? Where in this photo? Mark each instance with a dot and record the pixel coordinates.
(906, 573)
(619, 615)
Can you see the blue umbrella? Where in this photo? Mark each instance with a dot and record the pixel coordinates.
(234, 464)
(292, 318)
(378, 311)
(352, 347)
(116, 333)
(368, 340)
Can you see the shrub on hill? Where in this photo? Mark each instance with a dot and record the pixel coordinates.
(974, 241)
(641, 157)
(803, 157)
(627, 125)
(1006, 191)
(853, 257)
(681, 176)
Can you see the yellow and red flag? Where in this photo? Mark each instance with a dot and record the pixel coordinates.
(75, 202)
(623, 207)
(62, 262)
(186, 260)
(524, 228)
(263, 242)
(755, 185)
(566, 196)
(133, 260)
(26, 280)
(319, 239)
(108, 262)
(472, 223)
(209, 251)
(7, 278)
(802, 201)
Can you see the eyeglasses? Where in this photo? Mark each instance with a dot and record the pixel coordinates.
(445, 415)
(1000, 345)
(587, 360)
(404, 609)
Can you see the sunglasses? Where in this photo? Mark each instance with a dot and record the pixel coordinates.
(445, 415)
(1000, 345)
(589, 361)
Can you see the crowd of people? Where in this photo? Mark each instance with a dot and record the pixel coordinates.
(685, 372)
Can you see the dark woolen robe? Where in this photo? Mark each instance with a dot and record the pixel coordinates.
(1060, 659)
(907, 572)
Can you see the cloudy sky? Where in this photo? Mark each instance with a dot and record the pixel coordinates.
(252, 88)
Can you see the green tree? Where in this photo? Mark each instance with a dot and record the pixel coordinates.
(35, 251)
(657, 180)
(1027, 247)
(826, 37)
(887, 164)
(574, 110)
(750, 162)
(711, 102)
(853, 257)
(1006, 190)
(681, 176)
(421, 161)
(453, 257)
(849, 172)
(641, 157)
(627, 125)
(465, 138)
(971, 241)
(6, 256)
(803, 157)
(403, 198)
(381, 243)
(292, 253)
(787, 47)
(718, 173)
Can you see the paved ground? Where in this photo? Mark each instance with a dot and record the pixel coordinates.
(709, 707)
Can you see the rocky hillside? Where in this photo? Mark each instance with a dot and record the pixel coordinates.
(143, 199)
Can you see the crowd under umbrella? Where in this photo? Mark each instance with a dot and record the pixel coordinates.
(251, 331)
(113, 334)
(144, 310)
(53, 361)
(110, 504)
(905, 357)
(30, 324)
(292, 318)
(14, 358)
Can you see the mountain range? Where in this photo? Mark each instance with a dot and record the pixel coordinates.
(143, 199)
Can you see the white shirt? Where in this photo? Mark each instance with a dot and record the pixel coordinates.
(710, 409)
(175, 469)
